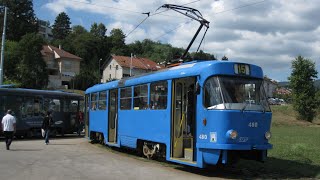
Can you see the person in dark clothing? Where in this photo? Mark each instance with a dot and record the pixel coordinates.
(80, 122)
(46, 124)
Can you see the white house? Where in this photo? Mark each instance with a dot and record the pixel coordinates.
(117, 67)
(270, 86)
(62, 66)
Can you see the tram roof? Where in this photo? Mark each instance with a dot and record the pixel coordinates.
(36, 92)
(193, 68)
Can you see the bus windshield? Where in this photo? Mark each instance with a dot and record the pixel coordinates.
(225, 92)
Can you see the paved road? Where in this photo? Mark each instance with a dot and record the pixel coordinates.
(76, 158)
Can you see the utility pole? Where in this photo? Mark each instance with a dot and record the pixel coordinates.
(99, 76)
(131, 65)
(2, 44)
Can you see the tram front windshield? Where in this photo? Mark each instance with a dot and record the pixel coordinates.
(224, 92)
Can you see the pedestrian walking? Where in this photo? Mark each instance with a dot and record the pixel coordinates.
(46, 125)
(8, 124)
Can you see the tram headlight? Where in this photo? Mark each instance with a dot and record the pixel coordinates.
(232, 134)
(267, 135)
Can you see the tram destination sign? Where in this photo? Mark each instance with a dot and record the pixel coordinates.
(242, 69)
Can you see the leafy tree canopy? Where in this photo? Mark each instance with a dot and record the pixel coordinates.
(98, 30)
(31, 70)
(20, 18)
(301, 81)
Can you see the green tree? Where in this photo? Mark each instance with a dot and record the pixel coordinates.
(301, 82)
(31, 71)
(61, 27)
(201, 55)
(98, 30)
(11, 60)
(20, 18)
(117, 38)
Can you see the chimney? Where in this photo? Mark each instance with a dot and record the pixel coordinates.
(59, 46)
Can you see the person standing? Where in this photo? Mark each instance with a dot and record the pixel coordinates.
(46, 124)
(80, 122)
(9, 127)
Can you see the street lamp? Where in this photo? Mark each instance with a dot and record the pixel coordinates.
(99, 79)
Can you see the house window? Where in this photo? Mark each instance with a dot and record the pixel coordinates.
(109, 76)
(110, 66)
(116, 67)
(67, 64)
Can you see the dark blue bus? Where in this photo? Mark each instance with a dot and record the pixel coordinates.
(29, 107)
(198, 113)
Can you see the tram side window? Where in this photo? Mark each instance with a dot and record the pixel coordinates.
(94, 98)
(158, 95)
(102, 100)
(125, 98)
(140, 97)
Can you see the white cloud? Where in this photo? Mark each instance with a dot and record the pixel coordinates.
(270, 33)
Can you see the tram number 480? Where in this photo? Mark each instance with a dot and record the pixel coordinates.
(253, 124)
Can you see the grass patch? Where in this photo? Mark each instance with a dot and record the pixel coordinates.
(284, 115)
(295, 154)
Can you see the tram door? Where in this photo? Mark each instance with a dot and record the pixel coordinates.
(113, 116)
(183, 124)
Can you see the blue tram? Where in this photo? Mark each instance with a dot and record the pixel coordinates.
(198, 113)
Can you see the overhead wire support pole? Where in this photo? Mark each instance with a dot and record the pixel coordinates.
(193, 14)
(2, 44)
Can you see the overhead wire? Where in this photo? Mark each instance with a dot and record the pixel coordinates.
(149, 15)
(239, 7)
(243, 6)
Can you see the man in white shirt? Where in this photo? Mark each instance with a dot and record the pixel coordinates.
(9, 127)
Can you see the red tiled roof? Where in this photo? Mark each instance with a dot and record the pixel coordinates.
(60, 52)
(138, 63)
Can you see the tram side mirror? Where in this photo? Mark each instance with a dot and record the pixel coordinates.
(197, 88)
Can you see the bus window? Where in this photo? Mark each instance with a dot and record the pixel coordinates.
(102, 100)
(55, 105)
(11, 102)
(46, 105)
(27, 110)
(158, 95)
(140, 97)
(66, 105)
(94, 98)
(74, 106)
(125, 98)
(37, 106)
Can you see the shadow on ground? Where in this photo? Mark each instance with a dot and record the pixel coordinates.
(66, 136)
(274, 168)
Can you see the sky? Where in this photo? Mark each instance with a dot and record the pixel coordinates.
(267, 33)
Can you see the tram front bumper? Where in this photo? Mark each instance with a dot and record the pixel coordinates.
(234, 146)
